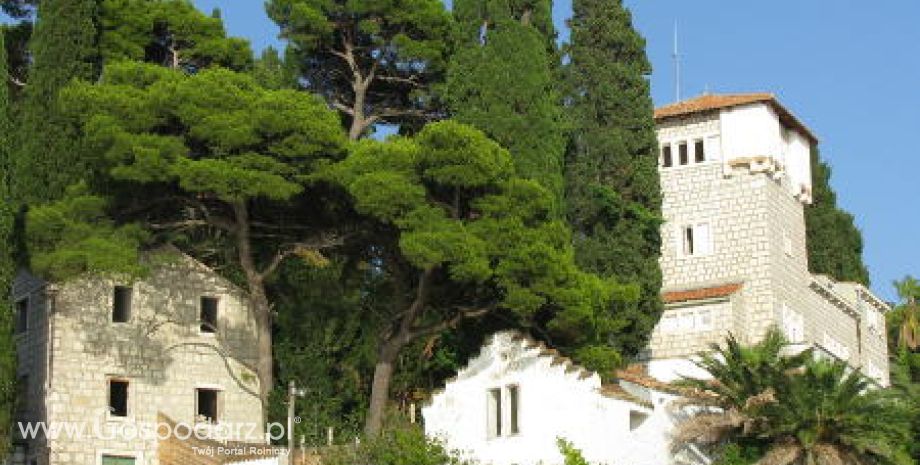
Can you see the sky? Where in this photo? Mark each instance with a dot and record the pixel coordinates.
(845, 68)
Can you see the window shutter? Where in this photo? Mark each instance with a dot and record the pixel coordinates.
(702, 239)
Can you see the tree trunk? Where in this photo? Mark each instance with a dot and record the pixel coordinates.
(258, 300)
(380, 389)
(264, 365)
(359, 119)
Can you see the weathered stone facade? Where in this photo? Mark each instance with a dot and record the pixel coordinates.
(748, 207)
(161, 352)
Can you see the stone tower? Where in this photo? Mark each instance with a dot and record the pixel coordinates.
(735, 173)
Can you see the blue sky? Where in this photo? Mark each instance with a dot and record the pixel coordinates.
(844, 67)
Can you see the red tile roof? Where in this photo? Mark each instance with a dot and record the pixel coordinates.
(636, 374)
(711, 102)
(699, 294)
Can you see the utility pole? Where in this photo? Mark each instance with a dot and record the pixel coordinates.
(293, 394)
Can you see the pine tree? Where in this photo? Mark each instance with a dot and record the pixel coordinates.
(64, 47)
(374, 61)
(7, 349)
(501, 80)
(613, 196)
(835, 244)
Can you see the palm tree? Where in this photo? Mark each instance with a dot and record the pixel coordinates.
(793, 410)
(830, 415)
(729, 406)
(906, 318)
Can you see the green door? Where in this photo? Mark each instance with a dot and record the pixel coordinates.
(113, 460)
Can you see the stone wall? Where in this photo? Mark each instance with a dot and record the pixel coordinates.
(161, 352)
(757, 229)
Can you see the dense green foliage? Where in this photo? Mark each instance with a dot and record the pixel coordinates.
(613, 196)
(64, 47)
(904, 347)
(171, 33)
(460, 235)
(7, 218)
(400, 443)
(798, 409)
(835, 244)
(501, 80)
(374, 61)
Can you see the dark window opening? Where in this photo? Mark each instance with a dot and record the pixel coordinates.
(666, 159)
(22, 316)
(209, 314)
(495, 413)
(688, 240)
(207, 405)
(699, 151)
(121, 305)
(683, 153)
(118, 398)
(636, 419)
(513, 401)
(117, 460)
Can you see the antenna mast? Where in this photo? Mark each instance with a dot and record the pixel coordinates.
(676, 56)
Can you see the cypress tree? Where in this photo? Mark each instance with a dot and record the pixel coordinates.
(501, 80)
(7, 348)
(64, 47)
(835, 244)
(613, 196)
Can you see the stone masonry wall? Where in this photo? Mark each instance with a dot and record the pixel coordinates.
(758, 239)
(160, 352)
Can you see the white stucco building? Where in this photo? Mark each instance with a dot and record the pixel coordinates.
(511, 403)
(735, 176)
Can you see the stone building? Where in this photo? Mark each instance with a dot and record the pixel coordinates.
(736, 176)
(100, 360)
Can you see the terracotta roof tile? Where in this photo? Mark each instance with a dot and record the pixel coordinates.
(711, 102)
(615, 391)
(636, 374)
(699, 294)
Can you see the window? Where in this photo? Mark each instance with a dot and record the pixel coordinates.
(793, 325)
(836, 348)
(696, 240)
(207, 405)
(667, 160)
(636, 419)
(121, 305)
(688, 240)
(209, 314)
(22, 316)
(874, 321)
(683, 153)
(700, 317)
(699, 151)
(118, 398)
(513, 401)
(494, 412)
(117, 460)
(703, 320)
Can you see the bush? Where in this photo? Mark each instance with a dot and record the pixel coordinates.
(570, 453)
(398, 444)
